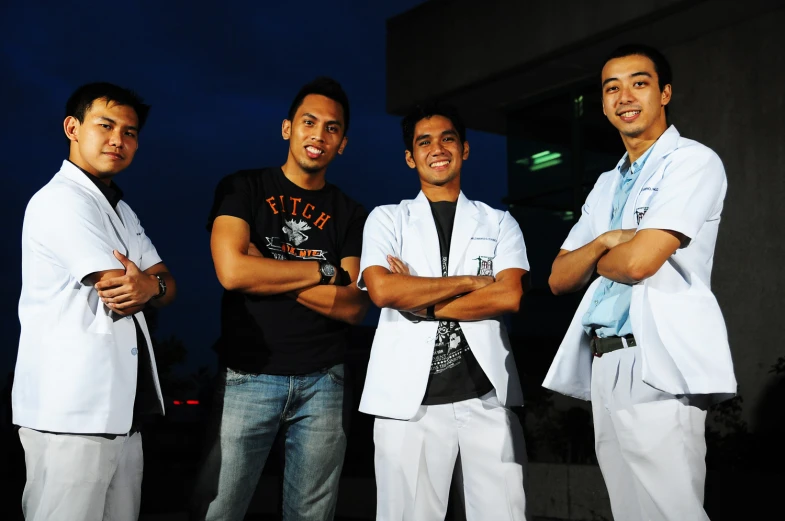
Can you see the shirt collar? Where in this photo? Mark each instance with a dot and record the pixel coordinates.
(624, 165)
(112, 192)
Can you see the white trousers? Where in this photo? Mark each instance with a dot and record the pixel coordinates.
(414, 462)
(650, 444)
(84, 478)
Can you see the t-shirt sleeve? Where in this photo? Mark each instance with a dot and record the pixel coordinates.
(378, 242)
(510, 248)
(690, 192)
(581, 233)
(352, 246)
(233, 197)
(70, 233)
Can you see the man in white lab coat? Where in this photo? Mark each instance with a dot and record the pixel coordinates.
(648, 344)
(85, 373)
(441, 376)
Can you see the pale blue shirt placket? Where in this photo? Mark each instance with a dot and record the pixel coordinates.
(609, 310)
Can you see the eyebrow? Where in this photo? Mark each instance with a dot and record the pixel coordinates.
(330, 122)
(641, 73)
(113, 122)
(450, 132)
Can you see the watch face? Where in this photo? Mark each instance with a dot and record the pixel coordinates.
(327, 269)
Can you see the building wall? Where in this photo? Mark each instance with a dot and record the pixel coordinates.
(729, 95)
(467, 41)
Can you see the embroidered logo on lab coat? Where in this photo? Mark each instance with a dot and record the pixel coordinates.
(640, 212)
(485, 266)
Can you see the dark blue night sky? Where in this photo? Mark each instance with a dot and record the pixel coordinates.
(220, 81)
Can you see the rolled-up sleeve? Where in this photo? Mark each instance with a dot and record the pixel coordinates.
(581, 233)
(378, 242)
(68, 229)
(510, 247)
(690, 193)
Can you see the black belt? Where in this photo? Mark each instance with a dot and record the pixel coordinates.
(600, 346)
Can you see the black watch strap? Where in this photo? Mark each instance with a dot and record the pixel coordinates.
(161, 286)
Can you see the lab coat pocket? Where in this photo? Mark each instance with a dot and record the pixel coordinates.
(479, 257)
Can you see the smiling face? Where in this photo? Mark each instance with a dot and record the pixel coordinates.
(106, 141)
(315, 134)
(437, 153)
(631, 97)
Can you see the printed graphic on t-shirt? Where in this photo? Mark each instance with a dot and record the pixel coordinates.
(450, 347)
(450, 342)
(295, 229)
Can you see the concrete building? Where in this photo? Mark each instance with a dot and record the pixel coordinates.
(529, 70)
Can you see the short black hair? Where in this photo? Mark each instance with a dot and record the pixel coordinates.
(661, 65)
(83, 97)
(427, 110)
(327, 87)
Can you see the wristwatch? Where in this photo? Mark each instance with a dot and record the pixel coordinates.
(327, 270)
(161, 286)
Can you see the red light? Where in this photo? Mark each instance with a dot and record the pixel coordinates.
(192, 402)
(177, 402)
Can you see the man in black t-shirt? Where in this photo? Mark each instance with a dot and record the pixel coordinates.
(441, 377)
(286, 247)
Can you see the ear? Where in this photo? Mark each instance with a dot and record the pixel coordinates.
(666, 94)
(286, 129)
(71, 128)
(344, 141)
(465, 150)
(410, 160)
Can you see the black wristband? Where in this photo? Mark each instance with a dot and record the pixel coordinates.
(161, 287)
(430, 312)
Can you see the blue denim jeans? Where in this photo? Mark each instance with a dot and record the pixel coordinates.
(311, 411)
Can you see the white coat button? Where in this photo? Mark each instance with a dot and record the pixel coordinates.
(134, 351)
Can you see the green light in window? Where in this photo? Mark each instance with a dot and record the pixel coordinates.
(546, 158)
(541, 154)
(540, 166)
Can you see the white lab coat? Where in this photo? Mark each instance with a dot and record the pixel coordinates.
(403, 345)
(77, 361)
(674, 315)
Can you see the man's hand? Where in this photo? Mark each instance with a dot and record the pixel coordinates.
(128, 293)
(613, 238)
(397, 265)
(401, 268)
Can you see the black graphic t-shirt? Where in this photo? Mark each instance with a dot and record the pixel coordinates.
(275, 334)
(455, 374)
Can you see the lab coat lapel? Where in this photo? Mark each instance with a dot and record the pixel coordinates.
(602, 212)
(72, 173)
(664, 146)
(464, 225)
(422, 231)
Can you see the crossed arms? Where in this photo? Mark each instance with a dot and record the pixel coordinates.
(240, 267)
(127, 291)
(619, 255)
(462, 297)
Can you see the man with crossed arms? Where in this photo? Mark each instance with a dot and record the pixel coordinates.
(441, 377)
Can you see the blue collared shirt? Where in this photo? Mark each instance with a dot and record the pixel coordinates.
(609, 310)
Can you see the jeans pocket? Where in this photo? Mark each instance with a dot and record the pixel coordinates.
(337, 374)
(235, 377)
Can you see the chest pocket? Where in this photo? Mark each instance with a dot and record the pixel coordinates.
(481, 251)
